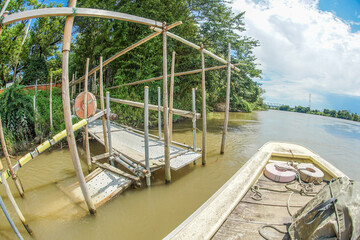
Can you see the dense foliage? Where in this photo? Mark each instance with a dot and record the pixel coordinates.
(343, 114)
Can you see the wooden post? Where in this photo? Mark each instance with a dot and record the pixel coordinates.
(171, 96)
(13, 202)
(203, 106)
(108, 126)
(94, 86)
(87, 146)
(72, 88)
(50, 105)
(226, 119)
(67, 113)
(194, 120)
(146, 134)
(159, 112)
(166, 113)
(102, 105)
(7, 158)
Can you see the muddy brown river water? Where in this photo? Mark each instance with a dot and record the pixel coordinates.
(151, 213)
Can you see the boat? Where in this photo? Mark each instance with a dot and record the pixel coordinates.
(251, 205)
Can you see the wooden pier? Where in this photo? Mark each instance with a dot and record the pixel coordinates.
(132, 145)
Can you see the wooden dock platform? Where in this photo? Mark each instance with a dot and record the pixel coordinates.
(132, 145)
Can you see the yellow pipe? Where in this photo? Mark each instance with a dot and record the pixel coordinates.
(42, 147)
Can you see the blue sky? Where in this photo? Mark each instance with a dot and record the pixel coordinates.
(307, 47)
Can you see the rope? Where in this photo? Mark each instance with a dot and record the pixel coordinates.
(74, 12)
(269, 226)
(336, 212)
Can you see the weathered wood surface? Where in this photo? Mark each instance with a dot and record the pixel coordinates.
(132, 146)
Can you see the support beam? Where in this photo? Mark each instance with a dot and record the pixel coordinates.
(7, 158)
(203, 107)
(80, 12)
(146, 135)
(86, 130)
(67, 113)
(226, 119)
(166, 113)
(171, 96)
(102, 105)
(190, 44)
(122, 52)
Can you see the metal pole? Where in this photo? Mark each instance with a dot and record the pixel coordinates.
(194, 120)
(108, 126)
(226, 119)
(146, 135)
(159, 112)
(7, 215)
(203, 106)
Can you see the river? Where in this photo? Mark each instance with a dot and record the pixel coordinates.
(151, 213)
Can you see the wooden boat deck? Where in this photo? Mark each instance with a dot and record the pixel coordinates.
(250, 215)
(132, 146)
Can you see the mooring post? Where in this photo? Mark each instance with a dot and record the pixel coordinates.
(203, 106)
(50, 100)
(7, 158)
(87, 146)
(13, 202)
(146, 134)
(194, 120)
(171, 96)
(159, 112)
(67, 113)
(109, 127)
(226, 119)
(166, 110)
(102, 105)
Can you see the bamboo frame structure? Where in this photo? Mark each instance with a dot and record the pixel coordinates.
(226, 119)
(203, 153)
(122, 52)
(66, 107)
(171, 96)
(166, 113)
(86, 130)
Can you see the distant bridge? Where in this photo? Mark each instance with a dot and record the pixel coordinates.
(273, 105)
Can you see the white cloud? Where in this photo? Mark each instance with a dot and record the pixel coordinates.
(302, 50)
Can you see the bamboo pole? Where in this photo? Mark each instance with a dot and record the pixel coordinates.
(102, 105)
(194, 120)
(87, 146)
(203, 107)
(50, 104)
(94, 86)
(175, 75)
(7, 158)
(4, 8)
(72, 87)
(13, 202)
(3, 14)
(34, 104)
(159, 112)
(226, 119)
(67, 114)
(108, 126)
(166, 114)
(171, 96)
(146, 134)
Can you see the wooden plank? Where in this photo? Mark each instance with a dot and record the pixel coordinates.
(81, 12)
(246, 230)
(117, 171)
(99, 157)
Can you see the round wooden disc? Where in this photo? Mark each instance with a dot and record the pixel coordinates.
(79, 105)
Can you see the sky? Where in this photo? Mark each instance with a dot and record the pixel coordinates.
(307, 47)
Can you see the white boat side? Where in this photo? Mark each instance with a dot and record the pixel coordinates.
(208, 218)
